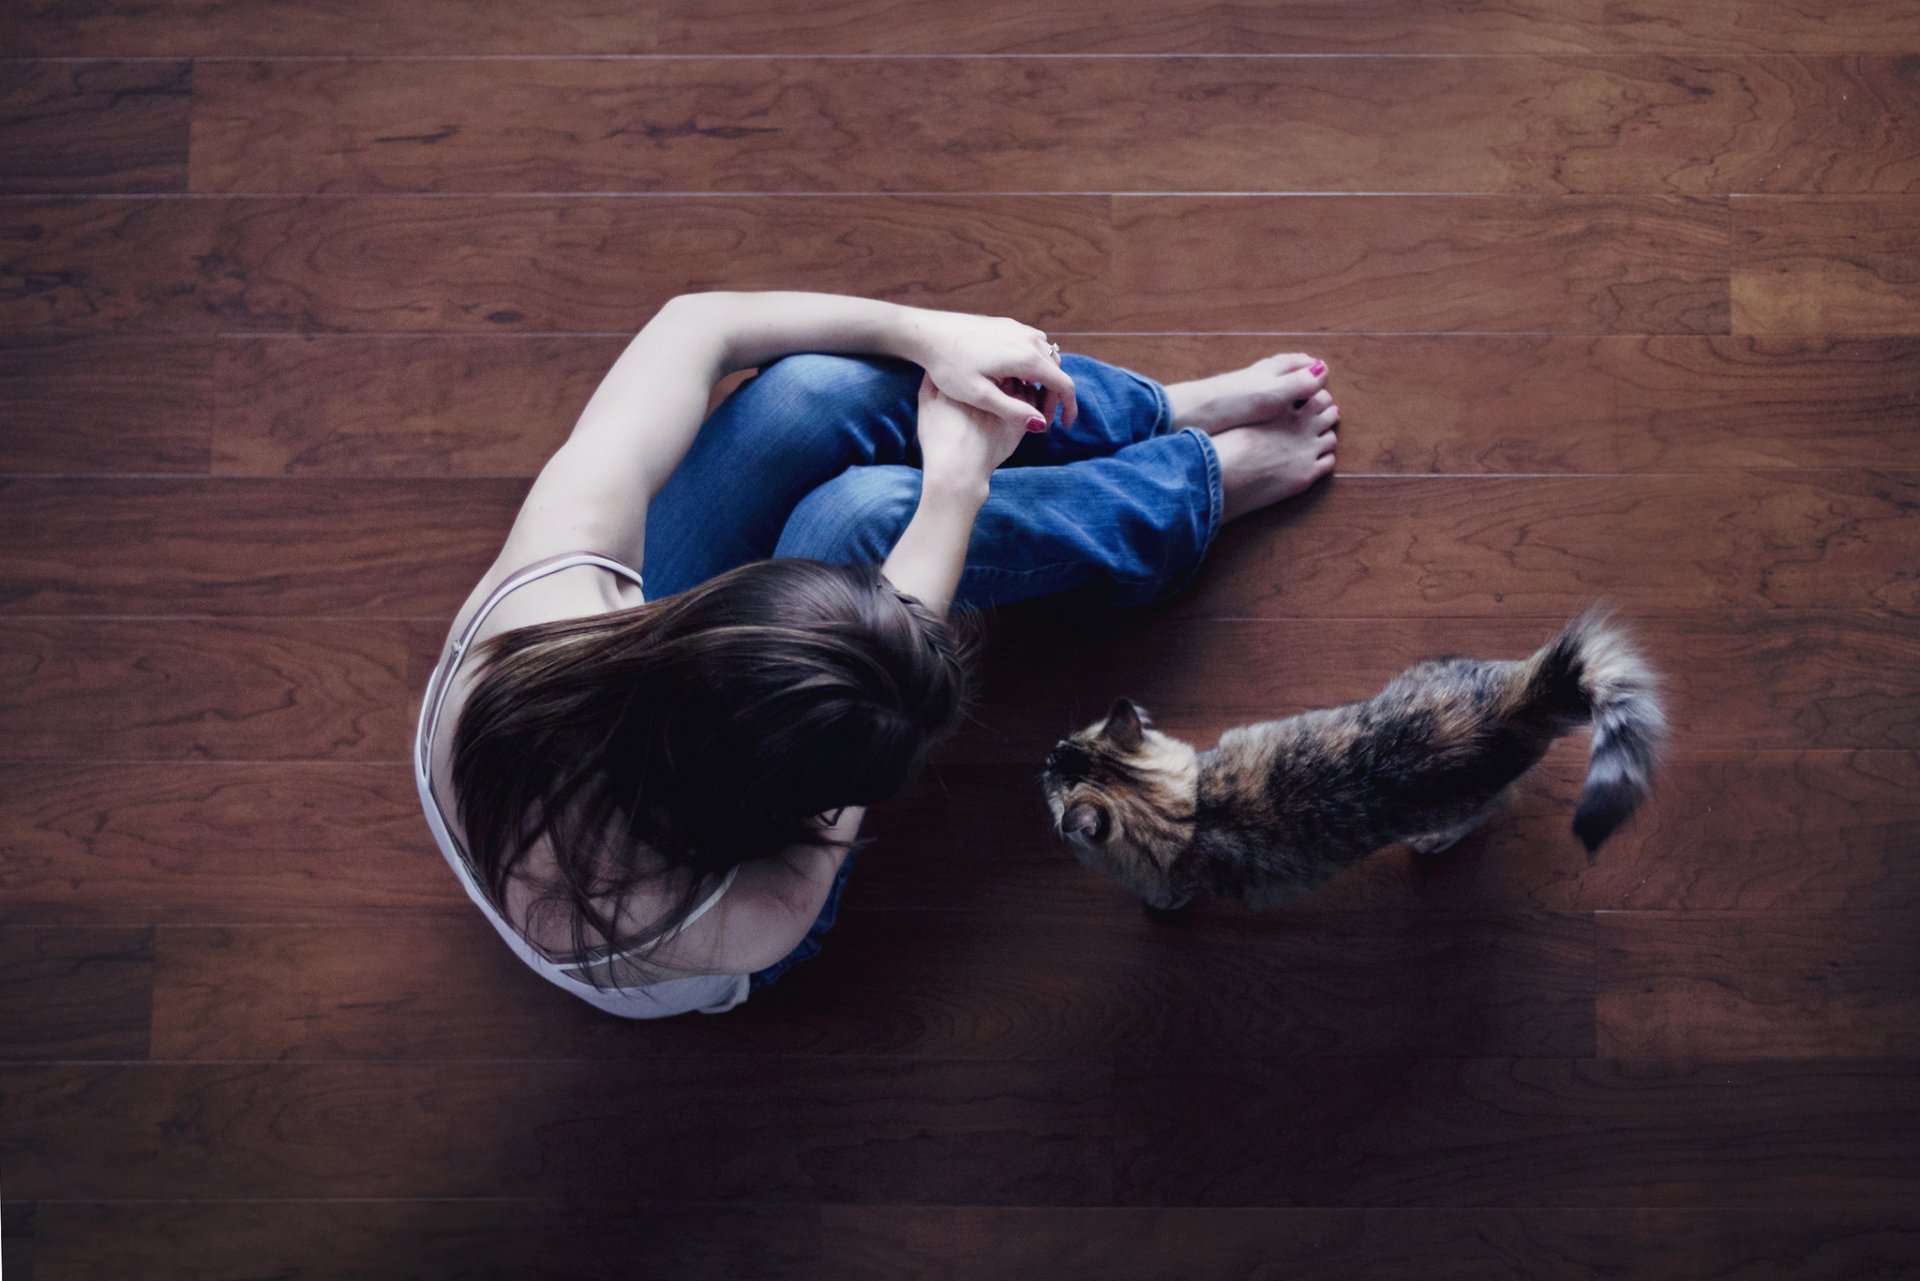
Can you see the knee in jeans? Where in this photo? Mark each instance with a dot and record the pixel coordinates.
(855, 518)
(815, 385)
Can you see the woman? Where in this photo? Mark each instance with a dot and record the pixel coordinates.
(652, 794)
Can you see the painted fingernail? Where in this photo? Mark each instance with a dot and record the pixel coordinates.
(1036, 424)
(1317, 368)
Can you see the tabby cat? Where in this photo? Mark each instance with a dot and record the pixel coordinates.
(1278, 807)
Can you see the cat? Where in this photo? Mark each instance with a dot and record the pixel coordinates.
(1281, 806)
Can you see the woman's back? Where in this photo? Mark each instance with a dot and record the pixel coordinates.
(575, 585)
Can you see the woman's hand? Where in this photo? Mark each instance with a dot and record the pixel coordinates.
(962, 445)
(970, 358)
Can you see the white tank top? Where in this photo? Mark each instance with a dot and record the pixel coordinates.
(707, 993)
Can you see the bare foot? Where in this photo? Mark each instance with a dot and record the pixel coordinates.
(1268, 462)
(1260, 393)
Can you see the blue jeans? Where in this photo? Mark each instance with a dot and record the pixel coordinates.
(816, 457)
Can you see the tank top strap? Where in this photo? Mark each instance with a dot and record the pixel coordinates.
(436, 695)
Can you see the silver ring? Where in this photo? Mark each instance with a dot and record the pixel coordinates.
(1053, 348)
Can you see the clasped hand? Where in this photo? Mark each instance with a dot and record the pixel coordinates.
(989, 381)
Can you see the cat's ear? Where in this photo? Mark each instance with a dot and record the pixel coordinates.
(1084, 822)
(1124, 728)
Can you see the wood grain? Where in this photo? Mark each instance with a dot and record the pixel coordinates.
(482, 1240)
(946, 984)
(94, 689)
(1827, 266)
(784, 1131)
(1537, 1132)
(93, 404)
(586, 264)
(75, 993)
(969, 124)
(605, 264)
(104, 263)
(1773, 25)
(72, 127)
(497, 405)
(1488, 545)
(217, 841)
(1784, 984)
(234, 546)
(493, 405)
(1648, 264)
(231, 27)
(966, 1243)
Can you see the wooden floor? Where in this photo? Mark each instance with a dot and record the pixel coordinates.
(1619, 303)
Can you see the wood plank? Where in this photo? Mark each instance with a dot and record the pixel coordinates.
(1383, 546)
(767, 1130)
(484, 1240)
(605, 264)
(17, 1229)
(75, 993)
(253, 547)
(1828, 266)
(94, 689)
(1645, 264)
(1374, 546)
(599, 264)
(1784, 984)
(1499, 124)
(1531, 1132)
(1884, 26)
(73, 127)
(498, 405)
(105, 263)
(214, 841)
(92, 404)
(286, 27)
(921, 985)
(967, 1243)
(491, 405)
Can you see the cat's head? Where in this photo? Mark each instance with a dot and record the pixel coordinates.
(1123, 794)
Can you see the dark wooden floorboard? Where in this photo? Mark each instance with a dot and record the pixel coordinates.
(792, 1131)
(869, 1243)
(1619, 302)
(1828, 266)
(1608, 125)
(1781, 984)
(1581, 264)
(1527, 1132)
(286, 27)
(174, 688)
(70, 127)
(105, 405)
(78, 993)
(476, 1240)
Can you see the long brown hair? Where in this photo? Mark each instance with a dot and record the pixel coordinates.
(680, 738)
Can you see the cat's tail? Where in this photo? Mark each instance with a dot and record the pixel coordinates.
(1592, 673)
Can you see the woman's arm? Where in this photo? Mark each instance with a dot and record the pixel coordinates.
(644, 416)
(959, 449)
